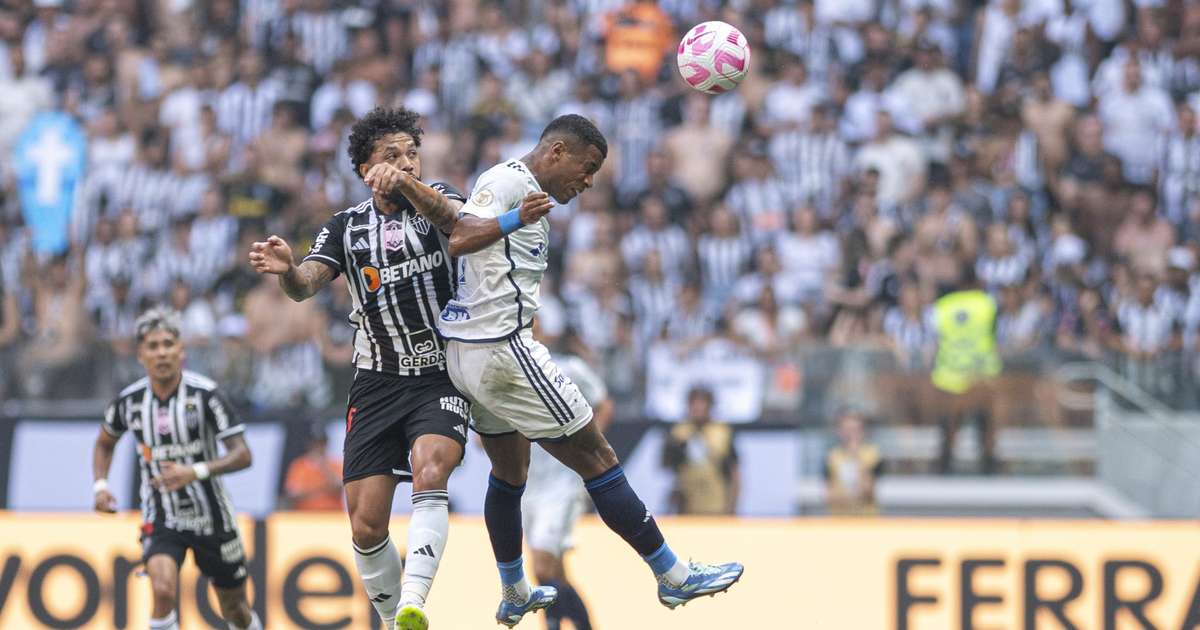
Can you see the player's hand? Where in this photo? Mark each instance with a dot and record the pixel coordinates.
(174, 477)
(105, 502)
(384, 179)
(535, 206)
(271, 256)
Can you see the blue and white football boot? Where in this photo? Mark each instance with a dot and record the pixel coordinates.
(510, 614)
(703, 579)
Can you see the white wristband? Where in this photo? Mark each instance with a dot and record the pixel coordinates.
(201, 470)
(100, 485)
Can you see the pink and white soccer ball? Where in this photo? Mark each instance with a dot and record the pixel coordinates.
(713, 57)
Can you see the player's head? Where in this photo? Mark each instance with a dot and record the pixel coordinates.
(386, 134)
(159, 343)
(569, 153)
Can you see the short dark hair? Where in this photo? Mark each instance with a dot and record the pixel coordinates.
(581, 128)
(378, 123)
(700, 391)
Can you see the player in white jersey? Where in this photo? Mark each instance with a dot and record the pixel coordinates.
(517, 391)
(555, 498)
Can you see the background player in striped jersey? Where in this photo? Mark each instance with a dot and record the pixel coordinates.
(177, 417)
(518, 392)
(402, 406)
(555, 497)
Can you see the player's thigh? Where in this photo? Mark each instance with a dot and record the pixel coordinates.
(221, 558)
(163, 569)
(375, 443)
(436, 432)
(369, 505)
(530, 393)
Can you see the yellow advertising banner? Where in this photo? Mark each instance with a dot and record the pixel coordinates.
(79, 571)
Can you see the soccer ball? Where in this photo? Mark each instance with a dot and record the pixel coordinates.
(713, 57)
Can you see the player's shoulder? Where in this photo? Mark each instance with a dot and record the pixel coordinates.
(195, 380)
(135, 387)
(509, 171)
(448, 190)
(361, 208)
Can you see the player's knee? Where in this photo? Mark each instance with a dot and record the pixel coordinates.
(433, 475)
(367, 531)
(164, 594)
(236, 611)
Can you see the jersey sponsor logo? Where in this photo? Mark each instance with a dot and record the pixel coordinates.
(423, 342)
(375, 278)
(538, 250)
(420, 224)
(455, 313)
(172, 451)
(320, 242)
(193, 523)
(393, 235)
(422, 361)
(455, 405)
(483, 198)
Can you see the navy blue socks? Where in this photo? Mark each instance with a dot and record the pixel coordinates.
(624, 513)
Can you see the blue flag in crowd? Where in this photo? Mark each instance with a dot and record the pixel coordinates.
(50, 158)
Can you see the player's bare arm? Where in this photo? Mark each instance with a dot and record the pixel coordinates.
(102, 456)
(473, 233)
(385, 180)
(175, 476)
(300, 282)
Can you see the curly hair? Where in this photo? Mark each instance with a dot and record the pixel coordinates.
(378, 123)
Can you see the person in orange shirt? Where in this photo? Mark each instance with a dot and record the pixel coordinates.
(314, 479)
(637, 37)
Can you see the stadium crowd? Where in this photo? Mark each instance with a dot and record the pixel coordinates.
(877, 149)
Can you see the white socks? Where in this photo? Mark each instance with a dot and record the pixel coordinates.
(427, 533)
(170, 622)
(678, 573)
(380, 569)
(255, 624)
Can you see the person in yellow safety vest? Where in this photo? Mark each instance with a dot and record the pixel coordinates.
(966, 361)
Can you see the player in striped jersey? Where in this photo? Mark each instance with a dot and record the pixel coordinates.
(402, 406)
(177, 417)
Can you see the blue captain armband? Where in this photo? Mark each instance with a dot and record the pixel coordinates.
(510, 221)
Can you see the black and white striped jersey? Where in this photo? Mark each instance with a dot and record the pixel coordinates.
(183, 429)
(400, 276)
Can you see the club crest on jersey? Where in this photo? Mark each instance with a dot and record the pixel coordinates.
(420, 224)
(191, 414)
(483, 198)
(393, 235)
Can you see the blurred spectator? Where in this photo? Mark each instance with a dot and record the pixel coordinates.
(1144, 237)
(638, 37)
(50, 363)
(851, 470)
(701, 453)
(698, 151)
(1137, 118)
(314, 479)
(769, 328)
(899, 161)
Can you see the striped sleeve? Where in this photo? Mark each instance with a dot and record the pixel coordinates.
(222, 416)
(114, 418)
(328, 247)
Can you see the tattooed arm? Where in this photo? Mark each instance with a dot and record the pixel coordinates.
(438, 203)
(300, 282)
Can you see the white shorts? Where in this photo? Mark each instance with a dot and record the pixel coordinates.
(549, 518)
(513, 385)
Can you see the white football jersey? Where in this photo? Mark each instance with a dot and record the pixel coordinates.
(547, 475)
(497, 287)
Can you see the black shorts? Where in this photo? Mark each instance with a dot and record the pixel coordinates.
(221, 557)
(386, 414)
